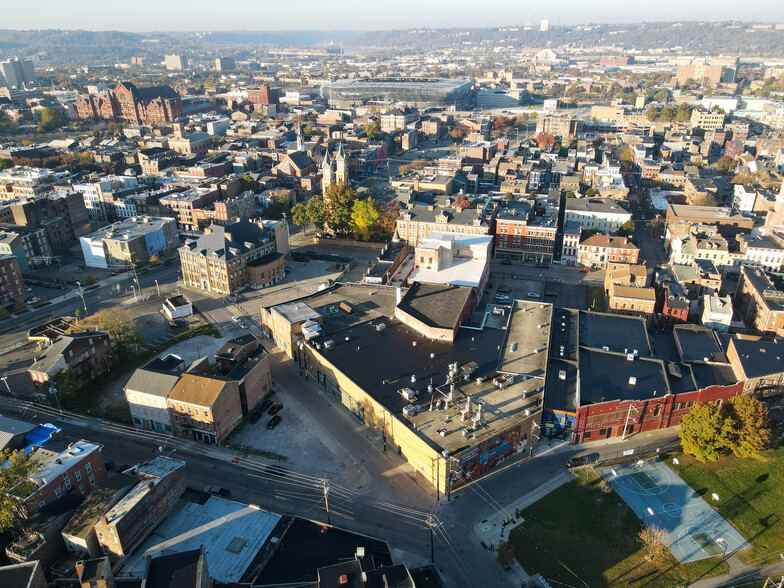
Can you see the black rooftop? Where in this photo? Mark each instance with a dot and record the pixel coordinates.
(605, 376)
(178, 570)
(696, 343)
(436, 305)
(619, 333)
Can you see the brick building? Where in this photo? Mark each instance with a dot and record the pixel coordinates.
(12, 286)
(627, 290)
(264, 95)
(598, 250)
(65, 469)
(132, 104)
(86, 355)
(760, 300)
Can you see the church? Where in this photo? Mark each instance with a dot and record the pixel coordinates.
(334, 172)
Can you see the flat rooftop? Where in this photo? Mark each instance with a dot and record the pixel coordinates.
(696, 343)
(527, 339)
(56, 461)
(232, 533)
(462, 272)
(436, 305)
(614, 332)
(606, 376)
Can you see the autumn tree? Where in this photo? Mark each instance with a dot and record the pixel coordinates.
(373, 130)
(419, 163)
(502, 123)
(387, 217)
(116, 321)
(544, 140)
(15, 482)
(725, 164)
(457, 135)
(747, 427)
(505, 555)
(339, 199)
(364, 218)
(403, 169)
(655, 542)
(463, 202)
(51, 119)
(702, 432)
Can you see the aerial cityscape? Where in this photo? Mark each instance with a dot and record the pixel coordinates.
(462, 297)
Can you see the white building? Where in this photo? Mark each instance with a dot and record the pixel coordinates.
(717, 312)
(147, 391)
(571, 243)
(218, 128)
(15, 72)
(453, 258)
(743, 198)
(177, 307)
(603, 215)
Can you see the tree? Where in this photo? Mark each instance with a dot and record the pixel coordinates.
(667, 114)
(387, 218)
(317, 211)
(626, 229)
(655, 542)
(510, 196)
(662, 96)
(502, 123)
(116, 321)
(652, 113)
(15, 481)
(63, 383)
(153, 258)
(249, 183)
(544, 140)
(403, 169)
(703, 433)
(373, 130)
(725, 164)
(364, 218)
(90, 280)
(307, 132)
(339, 199)
(590, 192)
(683, 113)
(505, 555)
(51, 119)
(277, 206)
(5, 164)
(626, 159)
(748, 426)
(457, 135)
(419, 163)
(462, 202)
(571, 195)
(299, 214)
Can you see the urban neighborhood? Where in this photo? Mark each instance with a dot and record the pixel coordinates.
(422, 302)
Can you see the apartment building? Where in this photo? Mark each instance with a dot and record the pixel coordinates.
(218, 260)
(186, 206)
(86, 355)
(128, 242)
(760, 300)
(398, 118)
(12, 286)
(598, 250)
(418, 220)
(65, 468)
(627, 290)
(707, 120)
(603, 215)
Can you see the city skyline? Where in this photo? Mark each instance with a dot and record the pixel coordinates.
(177, 15)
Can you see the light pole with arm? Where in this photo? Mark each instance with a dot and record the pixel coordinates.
(157, 288)
(81, 295)
(5, 381)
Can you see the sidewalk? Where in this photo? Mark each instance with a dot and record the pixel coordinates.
(492, 530)
(741, 574)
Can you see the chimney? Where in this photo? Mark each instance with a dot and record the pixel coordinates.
(459, 209)
(104, 521)
(398, 295)
(79, 567)
(343, 579)
(416, 184)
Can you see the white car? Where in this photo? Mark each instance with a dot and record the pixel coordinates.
(236, 319)
(33, 300)
(243, 326)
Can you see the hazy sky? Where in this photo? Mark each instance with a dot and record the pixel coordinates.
(157, 15)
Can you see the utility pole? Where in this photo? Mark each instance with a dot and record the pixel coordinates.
(431, 523)
(325, 485)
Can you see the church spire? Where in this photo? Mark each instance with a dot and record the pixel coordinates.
(300, 143)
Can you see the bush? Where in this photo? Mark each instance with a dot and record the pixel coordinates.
(90, 280)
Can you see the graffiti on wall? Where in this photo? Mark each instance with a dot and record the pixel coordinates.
(487, 455)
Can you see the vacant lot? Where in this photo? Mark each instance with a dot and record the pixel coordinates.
(579, 536)
(751, 497)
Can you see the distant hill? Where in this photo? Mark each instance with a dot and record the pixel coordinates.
(690, 37)
(279, 38)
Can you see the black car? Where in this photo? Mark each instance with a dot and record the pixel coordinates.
(273, 422)
(255, 416)
(551, 294)
(275, 409)
(506, 262)
(265, 405)
(109, 464)
(275, 470)
(575, 462)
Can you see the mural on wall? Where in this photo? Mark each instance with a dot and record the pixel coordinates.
(487, 455)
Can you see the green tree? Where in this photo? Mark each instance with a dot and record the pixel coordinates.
(510, 196)
(62, 383)
(667, 113)
(307, 133)
(364, 218)
(590, 192)
(5, 164)
(249, 183)
(571, 195)
(339, 200)
(626, 229)
(662, 96)
(51, 119)
(683, 113)
(652, 113)
(703, 432)
(15, 482)
(317, 211)
(748, 426)
(299, 214)
(373, 130)
(725, 164)
(90, 280)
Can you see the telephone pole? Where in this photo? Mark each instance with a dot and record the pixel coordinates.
(325, 485)
(431, 523)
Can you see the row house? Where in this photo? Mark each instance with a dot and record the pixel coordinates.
(598, 250)
(627, 290)
(417, 220)
(602, 215)
(759, 366)
(570, 243)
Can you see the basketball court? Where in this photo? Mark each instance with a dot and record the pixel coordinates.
(694, 529)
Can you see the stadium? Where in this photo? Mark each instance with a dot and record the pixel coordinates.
(420, 93)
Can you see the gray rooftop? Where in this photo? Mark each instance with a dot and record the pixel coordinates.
(131, 228)
(527, 339)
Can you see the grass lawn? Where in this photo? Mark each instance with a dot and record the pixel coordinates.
(751, 497)
(596, 300)
(579, 536)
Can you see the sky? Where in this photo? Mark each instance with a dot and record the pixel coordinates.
(272, 15)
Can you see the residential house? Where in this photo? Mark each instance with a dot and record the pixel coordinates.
(147, 390)
(598, 250)
(717, 312)
(85, 355)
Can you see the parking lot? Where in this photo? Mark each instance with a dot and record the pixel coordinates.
(519, 287)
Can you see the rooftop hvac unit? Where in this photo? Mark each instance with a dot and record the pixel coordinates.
(527, 412)
(380, 327)
(632, 380)
(442, 432)
(409, 410)
(413, 379)
(329, 344)
(561, 374)
(408, 394)
(465, 432)
(445, 453)
(630, 357)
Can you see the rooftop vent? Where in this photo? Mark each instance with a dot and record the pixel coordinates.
(632, 381)
(409, 410)
(380, 327)
(329, 344)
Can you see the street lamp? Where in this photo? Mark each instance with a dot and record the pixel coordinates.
(134, 292)
(5, 381)
(81, 295)
(650, 512)
(724, 545)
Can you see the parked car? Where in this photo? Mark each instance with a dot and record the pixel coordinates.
(218, 491)
(109, 464)
(236, 319)
(265, 405)
(506, 262)
(273, 422)
(534, 295)
(551, 294)
(275, 409)
(276, 470)
(33, 300)
(581, 460)
(504, 289)
(502, 299)
(243, 326)
(255, 416)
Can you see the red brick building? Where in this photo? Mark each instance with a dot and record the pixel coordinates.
(597, 250)
(264, 95)
(12, 286)
(131, 104)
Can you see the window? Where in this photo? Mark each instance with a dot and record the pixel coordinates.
(78, 475)
(88, 467)
(92, 480)
(68, 484)
(42, 504)
(58, 492)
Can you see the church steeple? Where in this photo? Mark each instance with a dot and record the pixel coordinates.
(300, 142)
(326, 172)
(341, 167)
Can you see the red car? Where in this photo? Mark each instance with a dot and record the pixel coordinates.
(587, 270)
